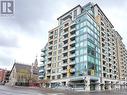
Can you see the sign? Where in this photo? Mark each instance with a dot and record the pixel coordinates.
(7, 7)
(92, 72)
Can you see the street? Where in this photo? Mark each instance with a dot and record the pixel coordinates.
(6, 90)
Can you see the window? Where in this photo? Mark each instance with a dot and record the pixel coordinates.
(54, 59)
(81, 24)
(77, 45)
(77, 39)
(55, 47)
(91, 59)
(60, 45)
(97, 55)
(95, 36)
(54, 53)
(77, 52)
(85, 43)
(84, 23)
(102, 29)
(53, 77)
(85, 50)
(89, 25)
(77, 26)
(60, 33)
(59, 57)
(90, 44)
(85, 36)
(81, 31)
(60, 39)
(81, 37)
(81, 51)
(85, 57)
(77, 59)
(55, 42)
(60, 51)
(91, 51)
(56, 33)
(66, 24)
(81, 44)
(77, 32)
(58, 76)
(75, 13)
(81, 59)
(97, 61)
(53, 71)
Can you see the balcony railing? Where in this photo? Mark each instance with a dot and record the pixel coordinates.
(72, 63)
(64, 64)
(64, 57)
(49, 62)
(42, 50)
(72, 48)
(72, 42)
(72, 55)
(48, 68)
(42, 70)
(42, 55)
(72, 35)
(73, 29)
(64, 71)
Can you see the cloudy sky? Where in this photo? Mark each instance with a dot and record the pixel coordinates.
(24, 34)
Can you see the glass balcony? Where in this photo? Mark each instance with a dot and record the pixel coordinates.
(42, 55)
(48, 68)
(64, 71)
(41, 65)
(64, 64)
(73, 29)
(72, 48)
(64, 51)
(65, 39)
(42, 50)
(49, 45)
(42, 70)
(42, 60)
(49, 62)
(72, 35)
(49, 56)
(72, 42)
(72, 55)
(72, 63)
(64, 57)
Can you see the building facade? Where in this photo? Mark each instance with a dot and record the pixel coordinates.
(20, 74)
(84, 50)
(24, 75)
(4, 76)
(34, 73)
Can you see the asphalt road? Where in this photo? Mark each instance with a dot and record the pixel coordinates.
(6, 90)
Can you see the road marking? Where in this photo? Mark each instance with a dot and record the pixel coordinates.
(54, 94)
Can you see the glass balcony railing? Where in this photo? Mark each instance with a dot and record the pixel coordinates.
(64, 64)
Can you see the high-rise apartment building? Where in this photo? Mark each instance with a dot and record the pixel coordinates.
(84, 50)
(44, 60)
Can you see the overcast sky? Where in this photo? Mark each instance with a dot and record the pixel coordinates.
(23, 35)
